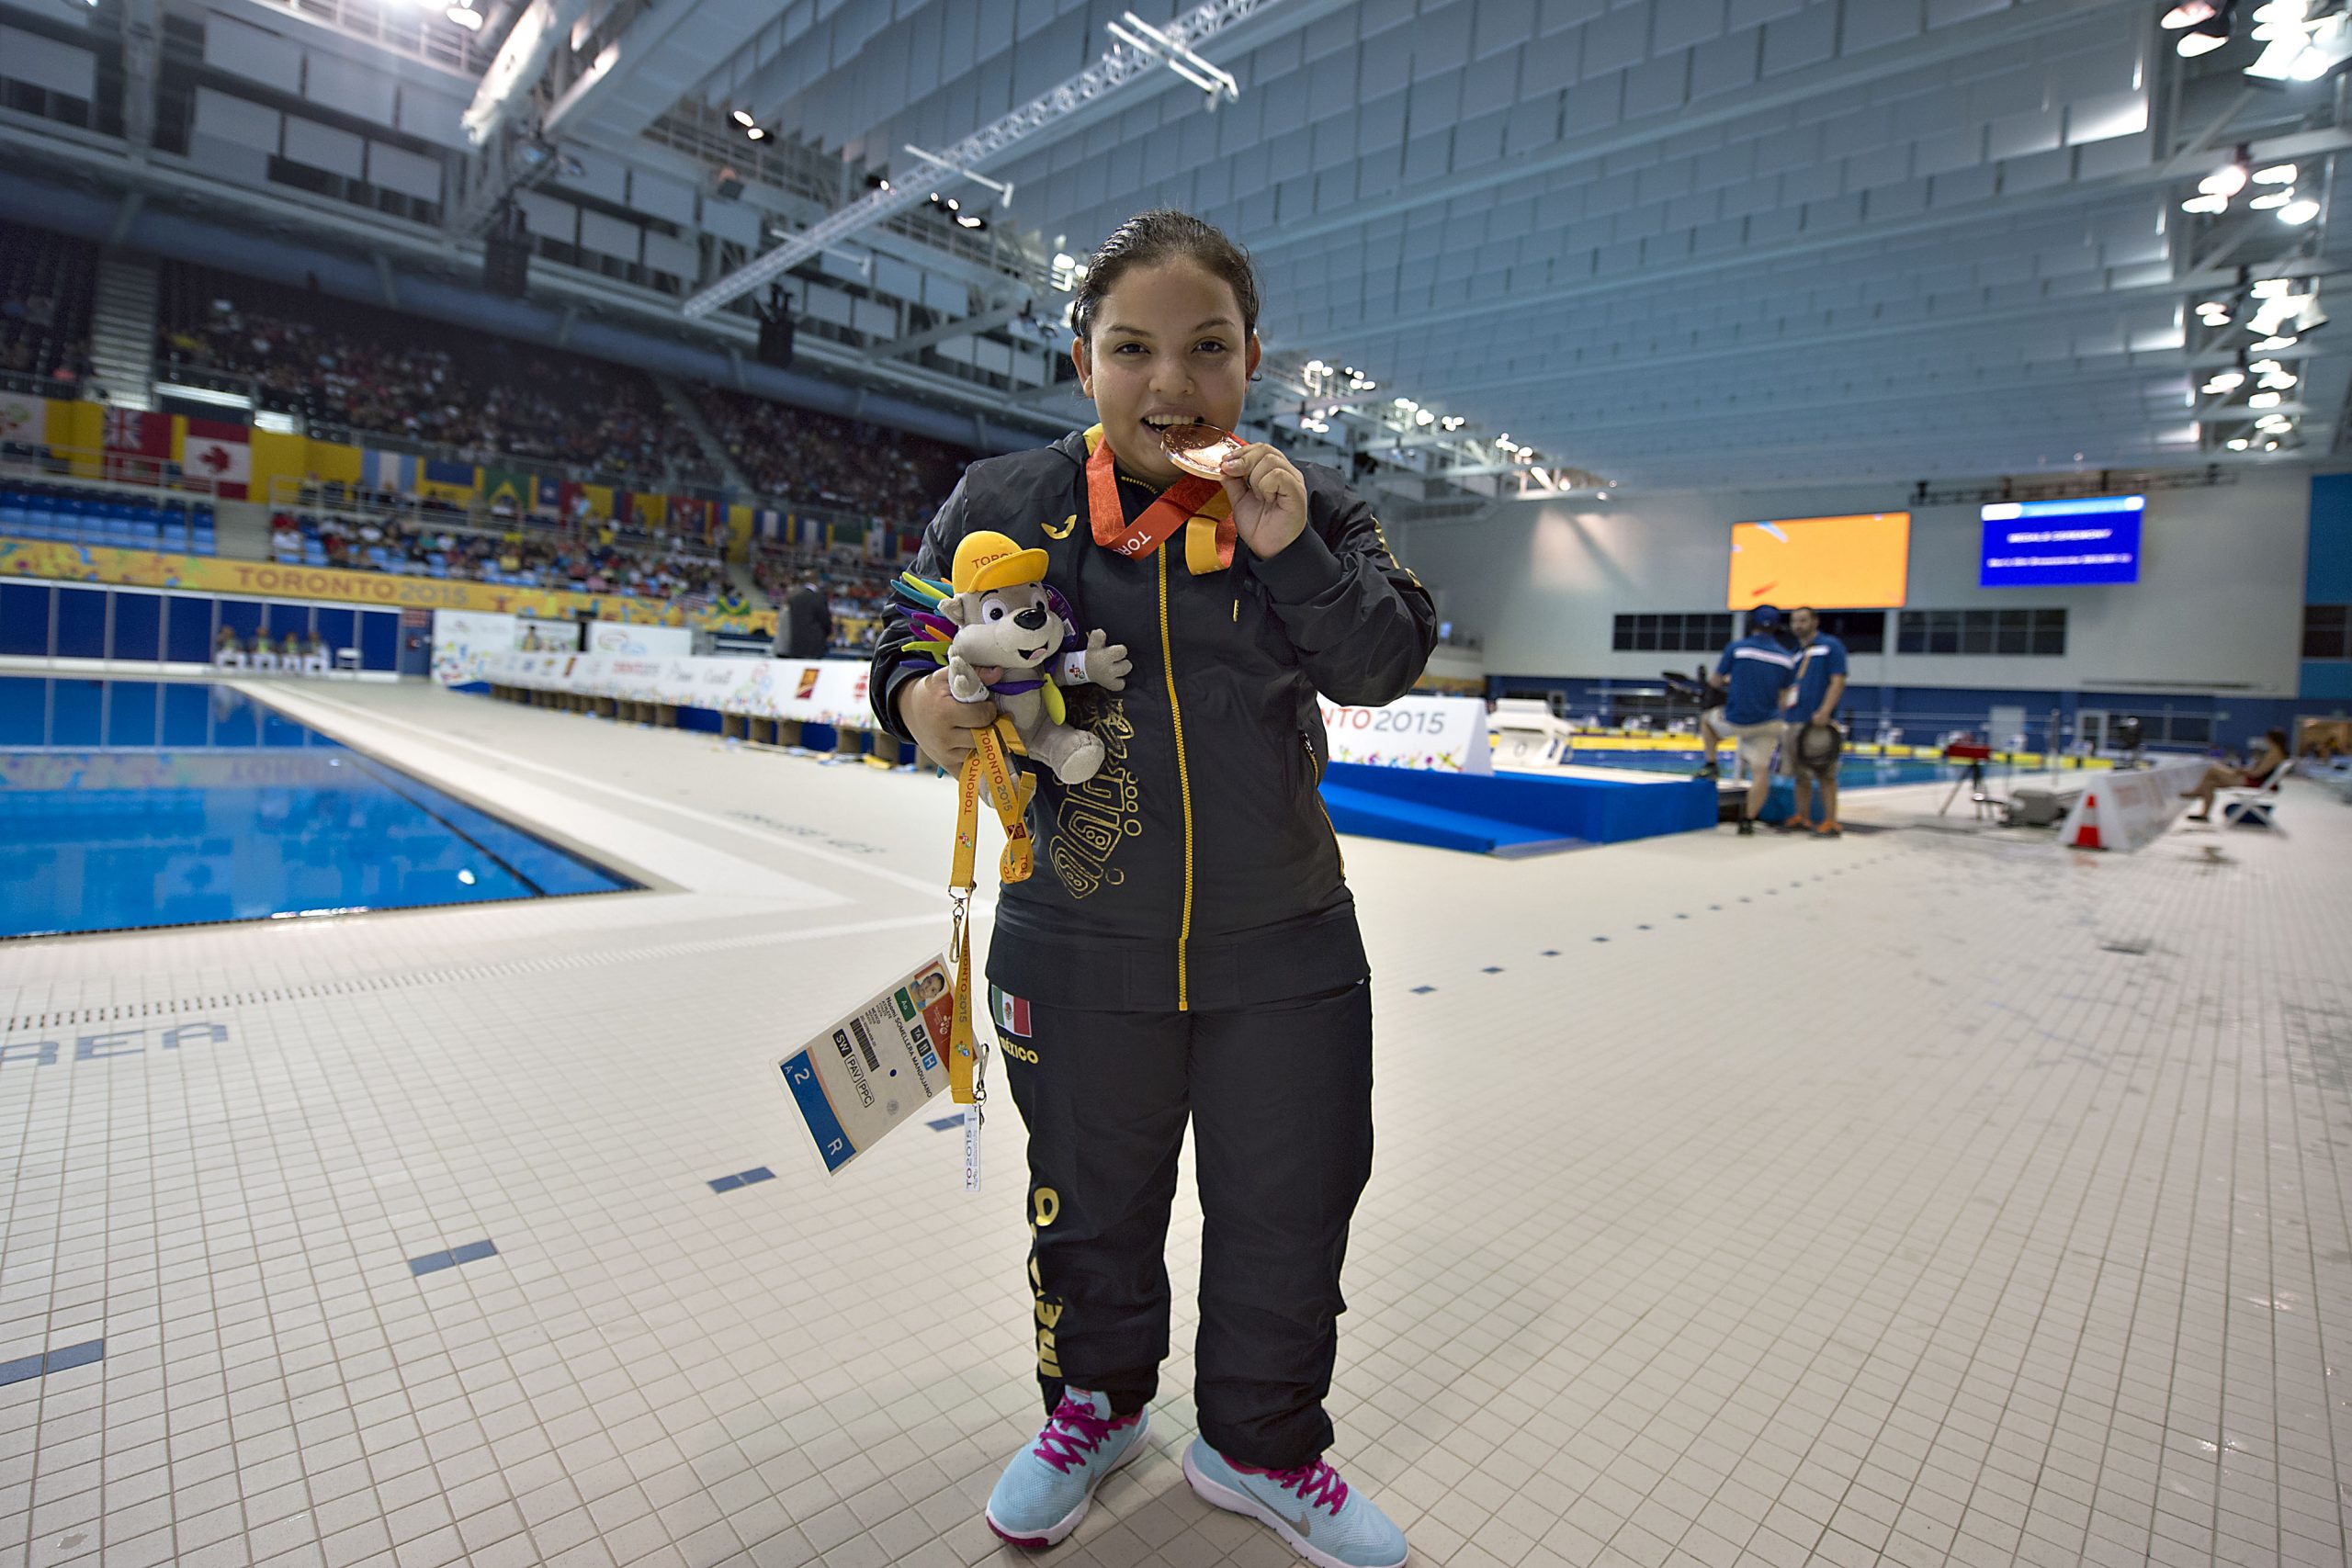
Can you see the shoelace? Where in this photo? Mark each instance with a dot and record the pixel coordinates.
(1316, 1483)
(1073, 1434)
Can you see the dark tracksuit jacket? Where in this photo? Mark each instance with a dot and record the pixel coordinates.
(1188, 942)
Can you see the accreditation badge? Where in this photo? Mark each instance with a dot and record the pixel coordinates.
(874, 1067)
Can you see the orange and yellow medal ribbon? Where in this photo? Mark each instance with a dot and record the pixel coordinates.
(991, 766)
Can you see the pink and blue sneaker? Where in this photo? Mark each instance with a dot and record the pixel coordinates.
(1047, 1489)
(1318, 1515)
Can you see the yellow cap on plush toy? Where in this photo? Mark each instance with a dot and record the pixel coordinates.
(988, 560)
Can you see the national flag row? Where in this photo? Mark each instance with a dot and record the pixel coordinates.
(138, 446)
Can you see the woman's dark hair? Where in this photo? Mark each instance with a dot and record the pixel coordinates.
(1153, 239)
(2276, 737)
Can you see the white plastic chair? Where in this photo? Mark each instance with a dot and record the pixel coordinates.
(2256, 807)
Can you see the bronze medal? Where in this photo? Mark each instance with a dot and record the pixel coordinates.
(1200, 449)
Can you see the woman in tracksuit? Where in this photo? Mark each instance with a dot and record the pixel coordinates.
(1188, 945)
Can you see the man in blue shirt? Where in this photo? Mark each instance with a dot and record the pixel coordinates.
(1820, 686)
(1752, 673)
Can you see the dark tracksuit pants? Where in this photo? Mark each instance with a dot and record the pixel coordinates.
(1280, 1097)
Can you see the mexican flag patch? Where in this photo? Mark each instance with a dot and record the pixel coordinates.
(1011, 1012)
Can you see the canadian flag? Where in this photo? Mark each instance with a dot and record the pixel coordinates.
(220, 452)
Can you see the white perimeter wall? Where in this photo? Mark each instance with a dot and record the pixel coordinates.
(2219, 603)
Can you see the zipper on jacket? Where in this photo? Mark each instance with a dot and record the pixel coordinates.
(1315, 783)
(1184, 782)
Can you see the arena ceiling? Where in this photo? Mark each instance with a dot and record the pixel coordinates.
(1666, 243)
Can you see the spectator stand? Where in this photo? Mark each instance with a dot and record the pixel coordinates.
(341, 366)
(856, 589)
(48, 288)
(340, 528)
(125, 513)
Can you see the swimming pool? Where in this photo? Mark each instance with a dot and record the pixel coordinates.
(1853, 772)
(130, 804)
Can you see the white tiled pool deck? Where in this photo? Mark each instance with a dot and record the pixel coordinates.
(1932, 1196)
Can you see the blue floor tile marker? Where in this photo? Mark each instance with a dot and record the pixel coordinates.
(741, 1178)
(28, 1367)
(433, 1263)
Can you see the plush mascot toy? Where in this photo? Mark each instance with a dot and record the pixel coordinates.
(996, 611)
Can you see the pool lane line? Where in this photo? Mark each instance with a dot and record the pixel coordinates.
(370, 765)
(929, 888)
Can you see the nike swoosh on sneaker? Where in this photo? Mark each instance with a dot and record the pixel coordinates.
(1299, 1525)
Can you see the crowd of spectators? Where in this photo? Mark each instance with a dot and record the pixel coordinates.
(795, 455)
(665, 570)
(363, 371)
(45, 299)
(372, 372)
(855, 592)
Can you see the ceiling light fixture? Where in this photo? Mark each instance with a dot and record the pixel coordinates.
(2265, 401)
(2189, 13)
(2277, 175)
(745, 117)
(2227, 180)
(2204, 37)
(2298, 212)
(2240, 444)
(465, 17)
(2206, 204)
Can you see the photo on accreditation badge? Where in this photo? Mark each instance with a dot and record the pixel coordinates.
(873, 1069)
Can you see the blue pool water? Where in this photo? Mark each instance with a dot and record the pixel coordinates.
(143, 803)
(1853, 772)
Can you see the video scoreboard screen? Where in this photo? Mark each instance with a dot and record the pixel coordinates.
(2047, 544)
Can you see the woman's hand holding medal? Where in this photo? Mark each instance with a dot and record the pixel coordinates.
(1266, 489)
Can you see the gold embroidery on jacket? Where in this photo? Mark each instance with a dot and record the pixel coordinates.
(1097, 817)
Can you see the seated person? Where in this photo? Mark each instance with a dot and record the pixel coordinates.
(2221, 776)
(315, 659)
(265, 657)
(227, 651)
(285, 539)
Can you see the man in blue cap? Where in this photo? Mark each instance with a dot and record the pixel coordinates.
(1752, 673)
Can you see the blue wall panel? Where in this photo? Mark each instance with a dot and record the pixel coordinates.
(335, 628)
(138, 626)
(24, 712)
(284, 618)
(187, 629)
(2327, 682)
(2327, 576)
(379, 639)
(76, 705)
(130, 711)
(81, 623)
(24, 617)
(187, 714)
